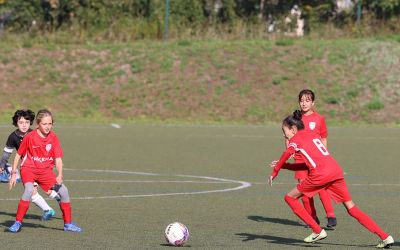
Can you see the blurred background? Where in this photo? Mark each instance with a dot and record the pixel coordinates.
(200, 61)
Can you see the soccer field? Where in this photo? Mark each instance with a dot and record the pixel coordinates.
(128, 184)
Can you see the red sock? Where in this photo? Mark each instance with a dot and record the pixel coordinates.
(367, 222)
(67, 212)
(308, 204)
(301, 212)
(23, 207)
(327, 203)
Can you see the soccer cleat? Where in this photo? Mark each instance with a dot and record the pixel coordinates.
(386, 243)
(47, 214)
(72, 228)
(331, 223)
(316, 237)
(4, 177)
(15, 227)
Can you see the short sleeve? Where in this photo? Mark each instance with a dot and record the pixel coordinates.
(24, 145)
(323, 130)
(58, 153)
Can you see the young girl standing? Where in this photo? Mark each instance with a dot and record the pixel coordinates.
(313, 121)
(324, 173)
(22, 120)
(41, 151)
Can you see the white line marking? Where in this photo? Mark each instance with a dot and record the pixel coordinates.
(243, 185)
(112, 171)
(147, 181)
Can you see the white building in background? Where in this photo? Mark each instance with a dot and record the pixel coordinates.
(296, 13)
(295, 18)
(344, 5)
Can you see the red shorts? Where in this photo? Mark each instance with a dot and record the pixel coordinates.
(337, 189)
(44, 177)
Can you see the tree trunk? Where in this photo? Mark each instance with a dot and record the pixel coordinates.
(261, 13)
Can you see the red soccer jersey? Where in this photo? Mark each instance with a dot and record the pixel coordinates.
(39, 152)
(316, 123)
(322, 166)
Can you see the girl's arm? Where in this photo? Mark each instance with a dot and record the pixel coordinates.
(59, 166)
(324, 132)
(4, 159)
(295, 166)
(13, 179)
(282, 160)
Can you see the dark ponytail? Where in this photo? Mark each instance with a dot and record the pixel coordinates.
(294, 120)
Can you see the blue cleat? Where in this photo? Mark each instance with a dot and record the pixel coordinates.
(72, 228)
(4, 177)
(15, 227)
(47, 214)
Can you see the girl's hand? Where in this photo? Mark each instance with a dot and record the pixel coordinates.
(13, 181)
(273, 164)
(59, 180)
(270, 180)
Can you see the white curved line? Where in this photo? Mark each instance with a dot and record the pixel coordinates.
(147, 181)
(243, 184)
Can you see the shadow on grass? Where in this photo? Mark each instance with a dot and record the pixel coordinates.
(7, 224)
(169, 245)
(28, 216)
(274, 220)
(295, 242)
(276, 240)
(288, 241)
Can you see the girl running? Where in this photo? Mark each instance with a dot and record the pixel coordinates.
(22, 120)
(324, 173)
(41, 150)
(314, 122)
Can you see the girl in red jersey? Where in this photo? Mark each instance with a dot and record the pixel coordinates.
(22, 120)
(313, 121)
(324, 173)
(41, 150)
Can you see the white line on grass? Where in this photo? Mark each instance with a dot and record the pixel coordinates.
(243, 184)
(147, 181)
(211, 180)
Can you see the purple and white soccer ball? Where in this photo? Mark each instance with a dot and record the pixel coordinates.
(176, 234)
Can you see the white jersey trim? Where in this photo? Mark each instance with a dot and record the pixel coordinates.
(8, 150)
(23, 160)
(294, 145)
(313, 164)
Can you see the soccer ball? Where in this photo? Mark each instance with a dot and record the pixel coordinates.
(176, 234)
